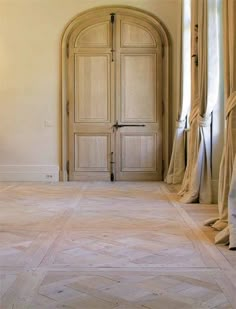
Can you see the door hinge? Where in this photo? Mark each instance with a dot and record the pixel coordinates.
(112, 36)
(163, 51)
(67, 50)
(67, 108)
(112, 17)
(112, 176)
(68, 167)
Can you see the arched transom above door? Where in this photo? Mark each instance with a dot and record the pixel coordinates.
(115, 66)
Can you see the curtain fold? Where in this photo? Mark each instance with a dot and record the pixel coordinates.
(227, 207)
(177, 162)
(225, 176)
(192, 148)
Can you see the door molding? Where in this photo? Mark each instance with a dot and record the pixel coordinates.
(69, 29)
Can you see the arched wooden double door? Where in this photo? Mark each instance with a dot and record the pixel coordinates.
(115, 99)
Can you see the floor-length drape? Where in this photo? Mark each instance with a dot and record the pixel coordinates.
(176, 169)
(194, 95)
(199, 59)
(226, 167)
(197, 180)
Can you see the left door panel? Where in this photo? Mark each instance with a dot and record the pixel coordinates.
(91, 102)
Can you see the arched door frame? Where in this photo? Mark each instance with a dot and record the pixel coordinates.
(72, 25)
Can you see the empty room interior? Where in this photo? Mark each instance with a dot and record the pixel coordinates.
(117, 154)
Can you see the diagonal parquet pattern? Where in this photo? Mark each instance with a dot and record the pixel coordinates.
(109, 245)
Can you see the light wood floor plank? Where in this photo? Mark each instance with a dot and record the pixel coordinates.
(121, 245)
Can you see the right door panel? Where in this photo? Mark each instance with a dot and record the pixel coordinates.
(138, 101)
(138, 88)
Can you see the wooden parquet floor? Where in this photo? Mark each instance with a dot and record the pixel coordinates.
(121, 245)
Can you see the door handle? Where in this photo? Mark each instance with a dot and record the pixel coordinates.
(117, 125)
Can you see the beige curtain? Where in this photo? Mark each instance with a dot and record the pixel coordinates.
(177, 166)
(226, 167)
(197, 181)
(194, 97)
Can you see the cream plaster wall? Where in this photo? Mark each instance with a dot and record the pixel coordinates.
(30, 34)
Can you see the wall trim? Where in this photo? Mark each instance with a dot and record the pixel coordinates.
(29, 173)
(166, 42)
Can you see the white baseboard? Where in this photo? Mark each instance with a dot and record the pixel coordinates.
(214, 185)
(29, 173)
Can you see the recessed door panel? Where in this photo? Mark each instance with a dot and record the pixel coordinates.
(135, 35)
(138, 152)
(97, 35)
(91, 152)
(92, 88)
(138, 88)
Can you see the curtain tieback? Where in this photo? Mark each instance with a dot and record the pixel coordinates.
(231, 103)
(204, 121)
(180, 124)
